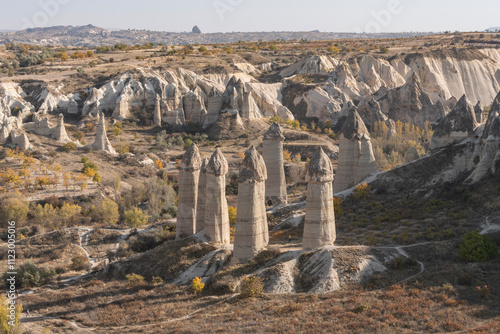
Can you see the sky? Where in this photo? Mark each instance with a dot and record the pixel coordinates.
(256, 15)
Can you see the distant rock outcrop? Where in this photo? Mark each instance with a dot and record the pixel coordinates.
(196, 30)
(490, 144)
(311, 65)
(356, 159)
(410, 104)
(456, 126)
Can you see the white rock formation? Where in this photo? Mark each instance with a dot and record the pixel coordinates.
(410, 104)
(273, 157)
(73, 107)
(252, 232)
(194, 108)
(489, 144)
(311, 65)
(101, 142)
(157, 112)
(7, 123)
(60, 133)
(20, 140)
(319, 226)
(202, 196)
(216, 215)
(42, 127)
(356, 159)
(189, 171)
(122, 107)
(320, 105)
(456, 126)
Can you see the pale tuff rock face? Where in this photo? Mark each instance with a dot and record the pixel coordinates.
(274, 133)
(312, 65)
(410, 104)
(194, 108)
(319, 226)
(321, 104)
(191, 159)
(253, 167)
(490, 151)
(371, 112)
(273, 157)
(495, 111)
(354, 128)
(320, 168)
(189, 172)
(20, 140)
(42, 127)
(356, 158)
(252, 232)
(216, 215)
(60, 133)
(202, 196)
(456, 126)
(73, 107)
(122, 107)
(218, 164)
(101, 142)
(157, 112)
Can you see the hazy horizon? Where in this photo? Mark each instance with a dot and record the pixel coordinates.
(257, 16)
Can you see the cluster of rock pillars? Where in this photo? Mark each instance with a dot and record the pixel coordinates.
(261, 181)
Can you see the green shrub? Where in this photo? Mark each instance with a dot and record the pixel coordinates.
(135, 218)
(69, 147)
(29, 275)
(135, 279)
(477, 248)
(90, 165)
(251, 287)
(106, 212)
(187, 143)
(80, 262)
(157, 280)
(362, 191)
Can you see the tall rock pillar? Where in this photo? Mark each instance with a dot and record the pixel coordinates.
(356, 158)
(101, 142)
(216, 214)
(252, 234)
(157, 112)
(319, 226)
(273, 156)
(60, 133)
(189, 172)
(202, 195)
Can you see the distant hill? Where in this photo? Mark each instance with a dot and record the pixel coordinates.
(493, 29)
(90, 35)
